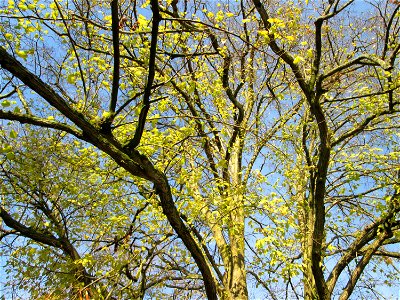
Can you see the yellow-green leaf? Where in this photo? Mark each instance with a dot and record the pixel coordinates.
(6, 103)
(13, 134)
(297, 59)
(71, 78)
(21, 53)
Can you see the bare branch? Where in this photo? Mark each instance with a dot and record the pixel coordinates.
(29, 119)
(132, 144)
(115, 34)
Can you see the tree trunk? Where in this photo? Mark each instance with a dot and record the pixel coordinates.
(236, 276)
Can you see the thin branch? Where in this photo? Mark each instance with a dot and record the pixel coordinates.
(9, 94)
(205, 249)
(260, 281)
(362, 60)
(361, 126)
(355, 275)
(73, 44)
(29, 119)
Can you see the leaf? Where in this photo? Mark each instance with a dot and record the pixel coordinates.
(106, 114)
(6, 103)
(22, 6)
(71, 78)
(21, 53)
(298, 59)
(13, 134)
(10, 155)
(106, 84)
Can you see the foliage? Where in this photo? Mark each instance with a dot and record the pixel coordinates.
(183, 149)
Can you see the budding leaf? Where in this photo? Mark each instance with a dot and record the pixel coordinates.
(6, 103)
(71, 78)
(21, 53)
(13, 134)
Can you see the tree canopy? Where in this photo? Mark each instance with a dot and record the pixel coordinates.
(199, 149)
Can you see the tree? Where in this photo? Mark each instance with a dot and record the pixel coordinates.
(264, 134)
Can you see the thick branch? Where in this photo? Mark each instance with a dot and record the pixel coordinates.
(115, 35)
(364, 237)
(44, 238)
(205, 249)
(355, 275)
(49, 240)
(239, 118)
(43, 89)
(150, 77)
(387, 34)
(132, 161)
(318, 36)
(318, 49)
(317, 196)
(282, 53)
